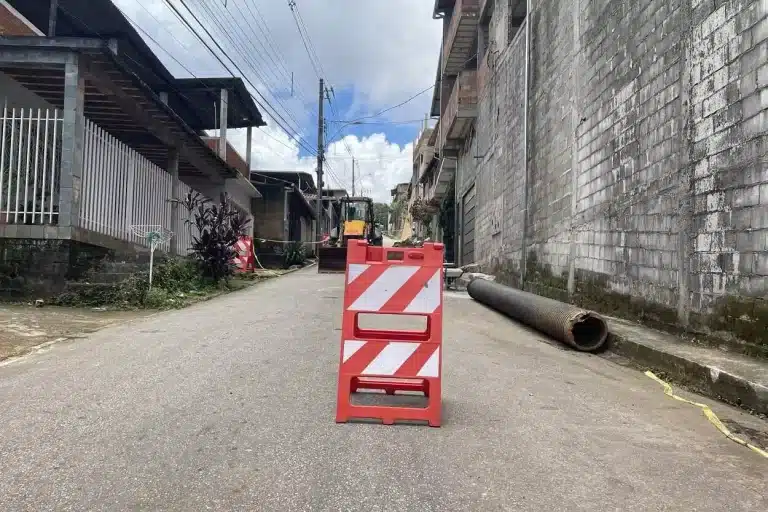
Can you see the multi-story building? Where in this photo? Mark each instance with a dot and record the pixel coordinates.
(612, 152)
(398, 207)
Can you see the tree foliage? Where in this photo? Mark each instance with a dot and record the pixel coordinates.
(380, 213)
(218, 227)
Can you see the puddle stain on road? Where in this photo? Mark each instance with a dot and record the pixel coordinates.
(24, 327)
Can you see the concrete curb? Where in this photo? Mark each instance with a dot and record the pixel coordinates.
(702, 378)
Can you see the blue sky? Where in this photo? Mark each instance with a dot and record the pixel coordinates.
(374, 54)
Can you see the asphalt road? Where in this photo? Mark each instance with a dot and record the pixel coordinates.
(229, 405)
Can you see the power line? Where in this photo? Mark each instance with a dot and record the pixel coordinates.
(175, 89)
(202, 81)
(409, 121)
(377, 114)
(199, 37)
(255, 13)
(248, 58)
(309, 39)
(304, 39)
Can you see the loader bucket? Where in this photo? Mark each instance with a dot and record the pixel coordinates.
(331, 260)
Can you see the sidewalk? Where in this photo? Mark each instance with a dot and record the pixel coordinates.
(733, 378)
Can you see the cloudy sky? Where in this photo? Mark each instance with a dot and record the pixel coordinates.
(374, 54)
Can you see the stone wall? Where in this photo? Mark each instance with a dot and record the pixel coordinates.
(39, 268)
(646, 188)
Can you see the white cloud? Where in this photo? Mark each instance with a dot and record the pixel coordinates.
(384, 51)
(379, 164)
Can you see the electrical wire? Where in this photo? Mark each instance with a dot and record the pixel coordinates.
(315, 65)
(249, 60)
(193, 75)
(248, 56)
(200, 38)
(410, 121)
(280, 58)
(377, 114)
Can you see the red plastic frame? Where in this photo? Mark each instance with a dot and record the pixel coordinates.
(429, 259)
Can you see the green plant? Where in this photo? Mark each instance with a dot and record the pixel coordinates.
(177, 275)
(295, 254)
(422, 211)
(159, 298)
(218, 226)
(381, 213)
(132, 291)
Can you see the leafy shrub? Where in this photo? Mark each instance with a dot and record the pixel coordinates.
(295, 254)
(177, 275)
(159, 298)
(218, 228)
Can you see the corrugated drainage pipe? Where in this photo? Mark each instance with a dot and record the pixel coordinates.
(581, 329)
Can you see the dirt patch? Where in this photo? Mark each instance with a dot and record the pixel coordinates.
(24, 327)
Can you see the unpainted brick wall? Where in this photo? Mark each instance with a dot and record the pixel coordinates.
(647, 156)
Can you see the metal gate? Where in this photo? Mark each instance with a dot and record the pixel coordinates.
(468, 227)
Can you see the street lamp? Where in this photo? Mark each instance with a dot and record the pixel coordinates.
(350, 123)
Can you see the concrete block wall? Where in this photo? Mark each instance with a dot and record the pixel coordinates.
(647, 146)
(269, 212)
(39, 268)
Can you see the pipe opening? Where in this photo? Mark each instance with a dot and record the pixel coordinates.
(589, 332)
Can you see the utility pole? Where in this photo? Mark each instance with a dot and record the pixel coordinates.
(53, 14)
(320, 156)
(353, 177)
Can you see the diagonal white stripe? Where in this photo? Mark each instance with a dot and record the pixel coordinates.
(391, 358)
(355, 269)
(383, 288)
(350, 347)
(432, 367)
(428, 298)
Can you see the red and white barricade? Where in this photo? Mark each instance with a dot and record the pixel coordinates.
(391, 281)
(244, 259)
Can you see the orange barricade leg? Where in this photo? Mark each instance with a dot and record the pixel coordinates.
(392, 281)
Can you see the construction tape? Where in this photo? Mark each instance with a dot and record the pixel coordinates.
(711, 416)
(291, 241)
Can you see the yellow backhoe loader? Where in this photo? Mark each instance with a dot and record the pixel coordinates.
(356, 222)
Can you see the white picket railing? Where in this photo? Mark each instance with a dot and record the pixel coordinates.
(120, 188)
(30, 151)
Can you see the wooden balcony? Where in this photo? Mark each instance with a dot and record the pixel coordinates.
(460, 112)
(460, 38)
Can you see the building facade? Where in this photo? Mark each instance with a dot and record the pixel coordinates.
(613, 153)
(98, 142)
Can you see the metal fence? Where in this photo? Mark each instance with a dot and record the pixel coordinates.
(120, 188)
(30, 151)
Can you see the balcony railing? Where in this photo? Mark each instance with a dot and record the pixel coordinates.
(461, 35)
(460, 111)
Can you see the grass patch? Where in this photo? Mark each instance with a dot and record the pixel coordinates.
(176, 283)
